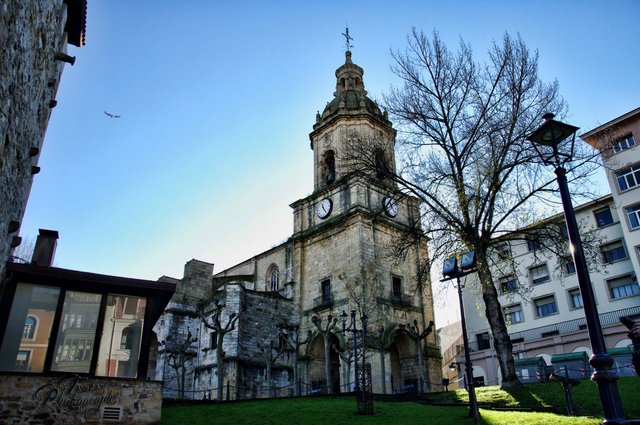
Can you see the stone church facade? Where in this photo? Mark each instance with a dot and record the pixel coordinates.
(337, 260)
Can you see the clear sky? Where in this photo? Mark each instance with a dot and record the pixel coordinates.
(217, 99)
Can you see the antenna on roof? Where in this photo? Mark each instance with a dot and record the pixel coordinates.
(348, 38)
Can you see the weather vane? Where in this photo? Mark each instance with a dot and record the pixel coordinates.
(348, 38)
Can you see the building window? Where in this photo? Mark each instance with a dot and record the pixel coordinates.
(513, 314)
(629, 177)
(329, 166)
(503, 250)
(533, 245)
(213, 340)
(325, 287)
(29, 328)
(623, 143)
(545, 306)
(633, 213)
(22, 361)
(273, 276)
(623, 287)
(613, 252)
(396, 284)
(603, 217)
(131, 306)
(508, 284)
(124, 316)
(575, 298)
(74, 346)
(125, 339)
(483, 341)
(539, 274)
(27, 300)
(568, 266)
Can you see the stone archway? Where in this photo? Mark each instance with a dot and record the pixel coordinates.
(317, 378)
(405, 376)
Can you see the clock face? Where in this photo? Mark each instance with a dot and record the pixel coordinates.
(324, 208)
(390, 206)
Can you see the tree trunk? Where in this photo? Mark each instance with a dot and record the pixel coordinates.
(420, 365)
(268, 377)
(382, 372)
(493, 311)
(220, 370)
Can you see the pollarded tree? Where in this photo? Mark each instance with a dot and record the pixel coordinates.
(290, 336)
(178, 351)
(463, 152)
(212, 319)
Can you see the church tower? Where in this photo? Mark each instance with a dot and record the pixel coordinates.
(342, 236)
(337, 262)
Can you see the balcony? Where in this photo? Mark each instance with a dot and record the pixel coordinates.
(570, 326)
(401, 299)
(324, 301)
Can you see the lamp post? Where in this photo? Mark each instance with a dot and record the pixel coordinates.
(554, 142)
(451, 270)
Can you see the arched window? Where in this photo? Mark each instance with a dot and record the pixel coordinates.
(329, 166)
(126, 341)
(382, 167)
(273, 278)
(29, 330)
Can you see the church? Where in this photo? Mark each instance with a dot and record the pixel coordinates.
(290, 320)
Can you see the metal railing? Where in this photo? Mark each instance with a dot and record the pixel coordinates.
(570, 326)
(401, 299)
(326, 300)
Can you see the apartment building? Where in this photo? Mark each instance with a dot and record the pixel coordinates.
(539, 290)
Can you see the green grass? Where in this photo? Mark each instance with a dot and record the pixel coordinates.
(341, 410)
(549, 396)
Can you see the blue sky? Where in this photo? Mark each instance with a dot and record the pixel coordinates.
(218, 97)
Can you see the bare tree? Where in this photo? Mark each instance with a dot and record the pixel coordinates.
(326, 331)
(382, 342)
(270, 352)
(414, 332)
(212, 320)
(177, 352)
(464, 155)
(293, 342)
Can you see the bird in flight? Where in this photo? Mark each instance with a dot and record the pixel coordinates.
(111, 115)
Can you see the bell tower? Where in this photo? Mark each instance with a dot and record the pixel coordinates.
(343, 231)
(349, 118)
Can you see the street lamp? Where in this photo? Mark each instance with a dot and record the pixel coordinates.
(451, 270)
(554, 142)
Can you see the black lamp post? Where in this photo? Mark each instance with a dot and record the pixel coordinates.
(554, 142)
(451, 270)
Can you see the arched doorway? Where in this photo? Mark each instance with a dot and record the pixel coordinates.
(405, 376)
(317, 376)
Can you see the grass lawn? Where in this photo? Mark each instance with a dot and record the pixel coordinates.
(340, 411)
(549, 396)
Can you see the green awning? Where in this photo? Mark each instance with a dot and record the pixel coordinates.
(558, 358)
(619, 351)
(538, 361)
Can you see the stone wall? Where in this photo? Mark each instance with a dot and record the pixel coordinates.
(31, 32)
(51, 400)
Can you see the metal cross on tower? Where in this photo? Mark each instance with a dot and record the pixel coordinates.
(348, 38)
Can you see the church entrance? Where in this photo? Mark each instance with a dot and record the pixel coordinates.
(405, 376)
(317, 376)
